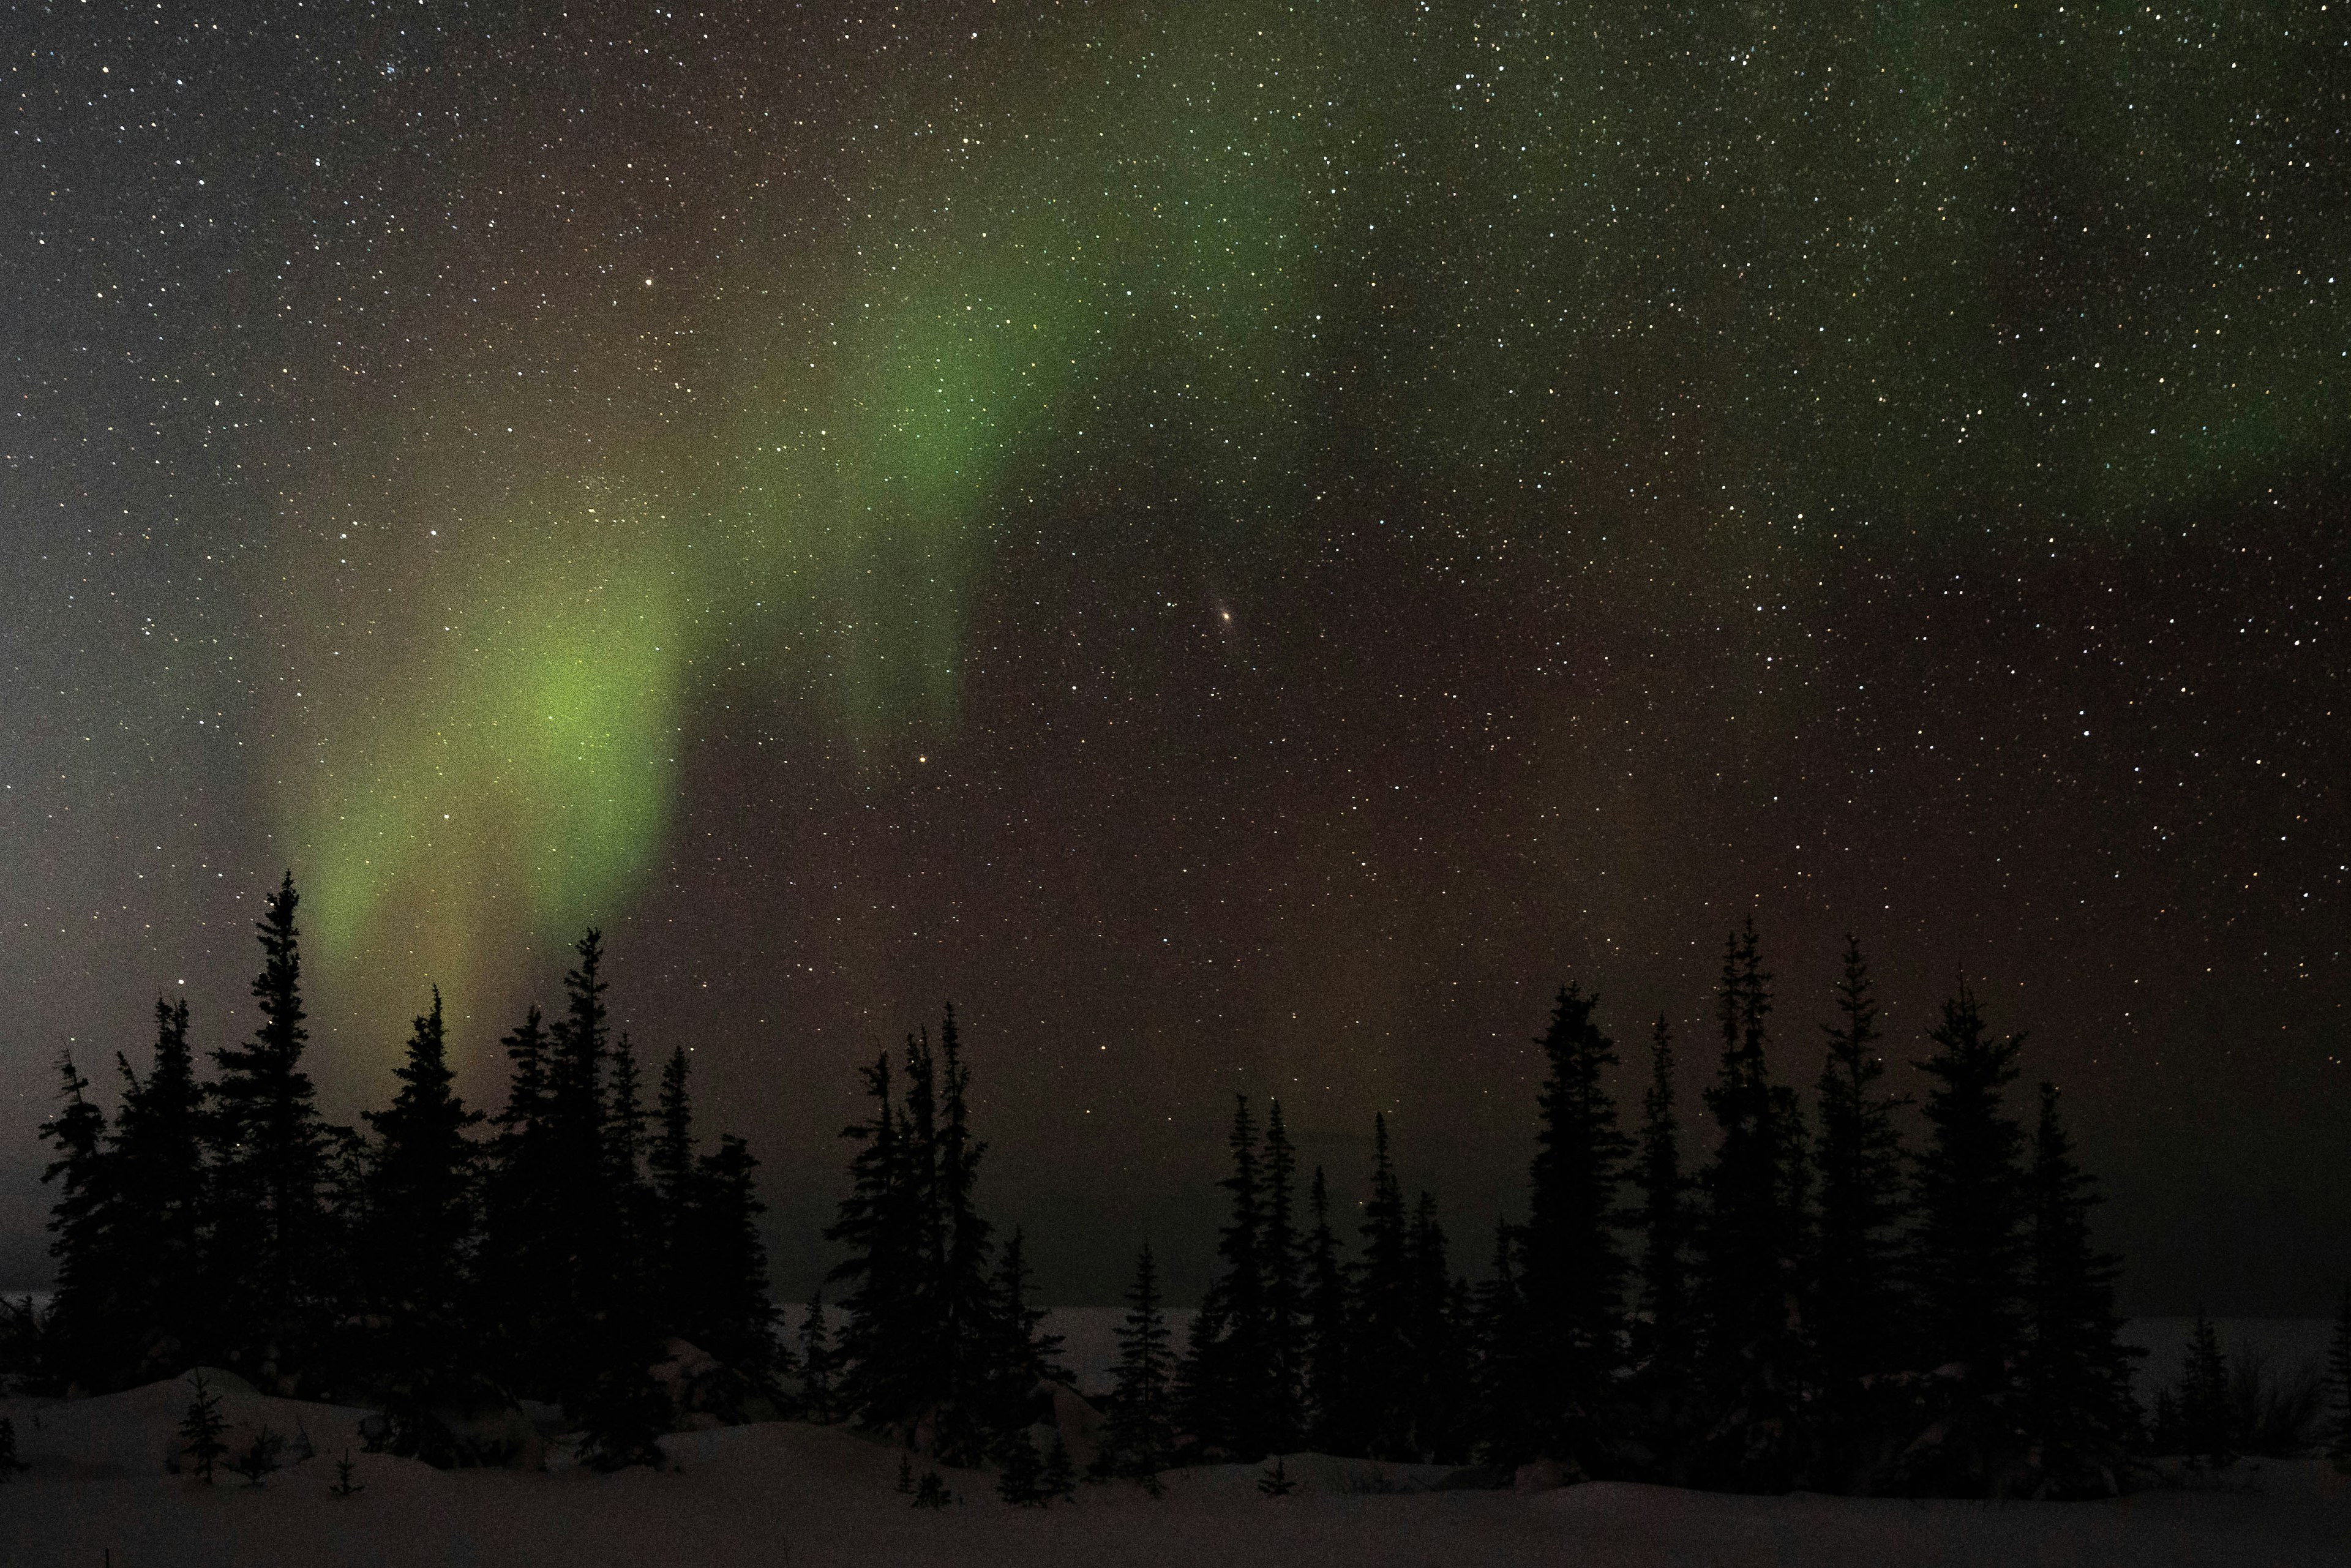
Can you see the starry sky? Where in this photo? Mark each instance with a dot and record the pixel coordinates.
(1242, 543)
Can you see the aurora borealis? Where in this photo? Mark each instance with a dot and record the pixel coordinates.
(1242, 543)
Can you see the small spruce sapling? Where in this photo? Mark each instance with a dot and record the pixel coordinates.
(9, 1463)
(1059, 1481)
(932, 1492)
(906, 1477)
(201, 1429)
(260, 1458)
(1277, 1481)
(1021, 1479)
(344, 1486)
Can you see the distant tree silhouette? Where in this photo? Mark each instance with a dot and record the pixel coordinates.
(1329, 1339)
(965, 1319)
(160, 1177)
(818, 1362)
(1382, 1314)
(1282, 1423)
(1751, 1236)
(1228, 1362)
(84, 1324)
(1970, 1253)
(520, 1281)
(731, 1315)
(272, 1242)
(1505, 1426)
(1573, 1272)
(880, 1263)
(1025, 1352)
(1139, 1431)
(2079, 1416)
(420, 1224)
(1665, 1334)
(1853, 1300)
(2337, 1428)
(1438, 1383)
(669, 1163)
(2208, 1415)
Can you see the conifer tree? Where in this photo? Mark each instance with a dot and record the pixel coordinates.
(581, 1208)
(85, 1319)
(817, 1362)
(2079, 1414)
(1024, 1354)
(2338, 1430)
(1383, 1311)
(518, 1261)
(2208, 1416)
(1664, 1337)
(270, 1156)
(880, 1263)
(1573, 1281)
(734, 1320)
(1329, 1337)
(1505, 1426)
(636, 1239)
(1437, 1381)
(1969, 1252)
(669, 1162)
(158, 1164)
(963, 1300)
(1853, 1302)
(1139, 1431)
(421, 1222)
(1749, 1238)
(1283, 1416)
(1970, 1243)
(1230, 1365)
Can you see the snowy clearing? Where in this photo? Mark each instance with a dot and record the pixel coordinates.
(789, 1495)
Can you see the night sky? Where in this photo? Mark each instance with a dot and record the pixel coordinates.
(1243, 544)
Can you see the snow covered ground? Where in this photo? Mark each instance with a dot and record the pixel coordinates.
(787, 1495)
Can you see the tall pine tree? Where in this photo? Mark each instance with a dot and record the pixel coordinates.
(1334, 1425)
(1854, 1304)
(1139, 1431)
(273, 1241)
(1282, 1404)
(417, 1262)
(82, 1347)
(2080, 1418)
(1970, 1259)
(159, 1159)
(1381, 1317)
(1751, 1236)
(1574, 1273)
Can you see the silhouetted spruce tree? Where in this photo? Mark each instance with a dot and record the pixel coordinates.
(81, 1346)
(1138, 1431)
(1023, 1354)
(1381, 1313)
(963, 1297)
(1283, 1418)
(1437, 1380)
(733, 1319)
(636, 1238)
(2208, 1416)
(1749, 1239)
(1665, 1336)
(881, 1264)
(158, 1162)
(2336, 1432)
(517, 1262)
(818, 1362)
(421, 1349)
(1199, 1391)
(583, 1333)
(669, 1165)
(1855, 1264)
(272, 1235)
(2080, 1418)
(1970, 1258)
(1230, 1365)
(1505, 1427)
(1331, 1406)
(1574, 1273)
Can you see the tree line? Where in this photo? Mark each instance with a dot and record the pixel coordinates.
(439, 1264)
(1810, 1303)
